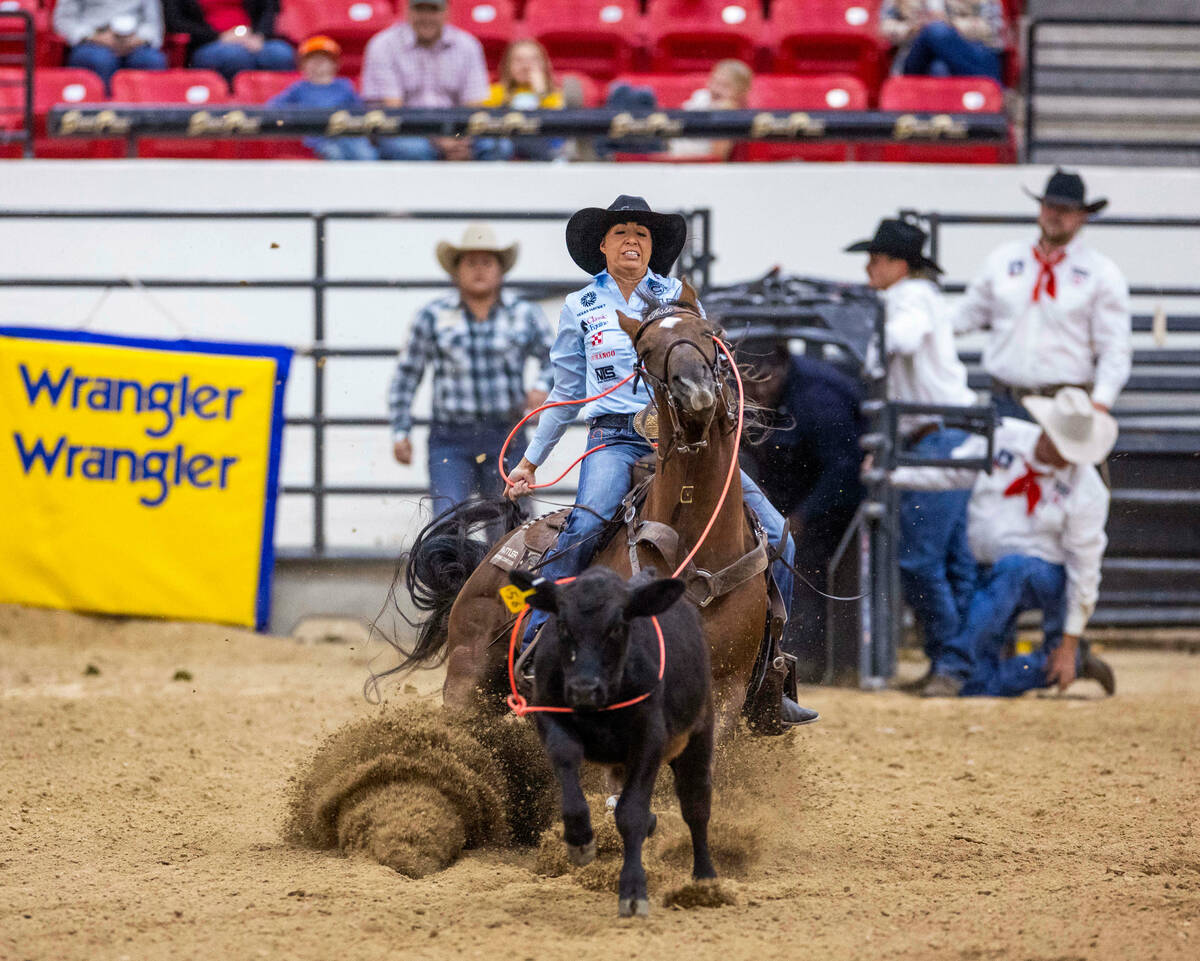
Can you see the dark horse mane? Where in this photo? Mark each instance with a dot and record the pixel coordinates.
(432, 572)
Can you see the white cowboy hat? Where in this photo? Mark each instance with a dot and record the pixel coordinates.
(1082, 434)
(477, 237)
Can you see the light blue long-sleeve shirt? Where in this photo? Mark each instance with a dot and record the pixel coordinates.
(591, 353)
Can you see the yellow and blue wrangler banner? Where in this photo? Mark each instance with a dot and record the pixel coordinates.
(140, 476)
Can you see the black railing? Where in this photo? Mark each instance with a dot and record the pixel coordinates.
(27, 36)
(693, 262)
(1033, 88)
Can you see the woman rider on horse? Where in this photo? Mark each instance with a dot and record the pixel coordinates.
(629, 250)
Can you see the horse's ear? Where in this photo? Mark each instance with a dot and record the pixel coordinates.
(545, 594)
(628, 324)
(653, 598)
(688, 295)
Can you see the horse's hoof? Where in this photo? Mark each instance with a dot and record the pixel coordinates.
(633, 907)
(582, 854)
(653, 825)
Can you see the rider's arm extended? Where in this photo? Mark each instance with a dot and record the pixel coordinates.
(570, 383)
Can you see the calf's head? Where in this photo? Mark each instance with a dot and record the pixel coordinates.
(592, 620)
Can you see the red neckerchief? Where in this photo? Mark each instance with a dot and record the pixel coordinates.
(1046, 273)
(1026, 484)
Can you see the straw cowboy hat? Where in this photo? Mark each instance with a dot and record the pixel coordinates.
(899, 239)
(476, 238)
(1082, 434)
(1066, 189)
(587, 227)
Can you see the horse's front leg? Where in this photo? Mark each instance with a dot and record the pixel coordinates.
(729, 694)
(566, 756)
(633, 822)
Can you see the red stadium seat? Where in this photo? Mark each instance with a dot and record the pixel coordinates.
(944, 95)
(257, 87)
(835, 92)
(54, 86)
(670, 90)
(492, 22)
(48, 46)
(195, 88)
(827, 37)
(690, 35)
(596, 37)
(351, 23)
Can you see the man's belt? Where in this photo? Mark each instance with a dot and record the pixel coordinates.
(619, 421)
(1020, 393)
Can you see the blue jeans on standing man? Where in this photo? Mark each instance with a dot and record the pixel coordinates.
(456, 470)
(229, 59)
(941, 51)
(605, 479)
(1013, 584)
(937, 569)
(105, 62)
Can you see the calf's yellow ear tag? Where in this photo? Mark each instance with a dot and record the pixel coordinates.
(514, 597)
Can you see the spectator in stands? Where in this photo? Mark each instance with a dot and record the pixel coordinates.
(527, 83)
(477, 339)
(1037, 527)
(946, 38)
(728, 88)
(426, 62)
(230, 36)
(807, 463)
(937, 571)
(324, 89)
(1058, 311)
(108, 35)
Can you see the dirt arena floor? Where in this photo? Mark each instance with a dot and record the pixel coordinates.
(144, 774)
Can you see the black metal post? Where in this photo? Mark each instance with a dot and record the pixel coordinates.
(318, 484)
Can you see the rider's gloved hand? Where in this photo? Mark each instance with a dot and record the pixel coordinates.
(521, 480)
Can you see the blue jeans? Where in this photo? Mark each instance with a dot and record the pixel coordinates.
(1013, 584)
(421, 148)
(1006, 405)
(937, 570)
(104, 62)
(941, 51)
(604, 480)
(342, 148)
(455, 470)
(229, 59)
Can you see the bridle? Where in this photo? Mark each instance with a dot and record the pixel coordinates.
(715, 366)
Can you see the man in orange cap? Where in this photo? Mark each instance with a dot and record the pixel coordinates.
(323, 89)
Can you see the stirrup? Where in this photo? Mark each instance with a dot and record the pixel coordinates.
(523, 666)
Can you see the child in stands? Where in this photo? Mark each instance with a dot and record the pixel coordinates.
(322, 88)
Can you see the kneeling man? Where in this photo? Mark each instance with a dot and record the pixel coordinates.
(1036, 526)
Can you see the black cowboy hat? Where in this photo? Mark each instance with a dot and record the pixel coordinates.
(1067, 190)
(897, 238)
(587, 227)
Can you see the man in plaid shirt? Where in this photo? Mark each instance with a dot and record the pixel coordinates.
(478, 339)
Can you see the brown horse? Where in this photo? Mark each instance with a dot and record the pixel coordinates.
(698, 416)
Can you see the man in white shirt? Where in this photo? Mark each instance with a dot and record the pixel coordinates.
(1058, 311)
(937, 571)
(1036, 526)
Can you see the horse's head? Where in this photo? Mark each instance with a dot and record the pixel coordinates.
(592, 621)
(678, 357)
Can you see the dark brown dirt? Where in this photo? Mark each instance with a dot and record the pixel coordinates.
(143, 817)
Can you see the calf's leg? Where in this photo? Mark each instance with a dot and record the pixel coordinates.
(633, 822)
(566, 756)
(693, 786)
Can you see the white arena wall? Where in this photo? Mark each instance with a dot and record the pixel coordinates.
(799, 216)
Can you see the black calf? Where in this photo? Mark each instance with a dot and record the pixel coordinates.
(601, 649)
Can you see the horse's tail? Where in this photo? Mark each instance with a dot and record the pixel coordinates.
(434, 570)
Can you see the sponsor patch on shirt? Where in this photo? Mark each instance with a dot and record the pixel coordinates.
(595, 338)
(602, 355)
(1016, 268)
(606, 373)
(655, 287)
(1004, 459)
(1079, 275)
(588, 299)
